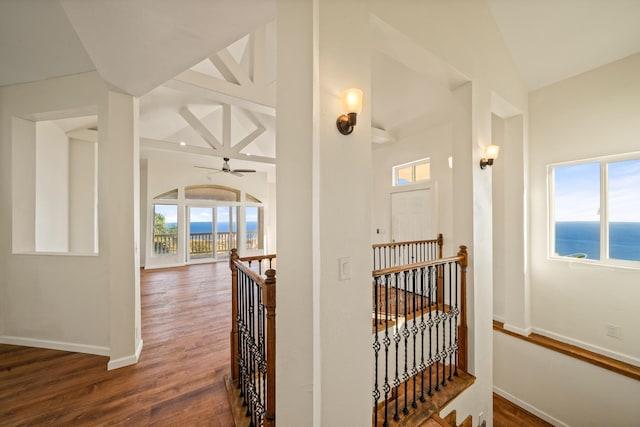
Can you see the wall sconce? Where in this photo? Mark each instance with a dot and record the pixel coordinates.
(491, 153)
(352, 104)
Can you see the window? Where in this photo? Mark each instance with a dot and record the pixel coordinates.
(212, 192)
(595, 209)
(255, 227)
(413, 172)
(165, 229)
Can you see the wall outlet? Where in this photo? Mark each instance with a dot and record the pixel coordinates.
(613, 330)
(481, 420)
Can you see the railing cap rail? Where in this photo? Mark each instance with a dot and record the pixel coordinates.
(406, 267)
(411, 242)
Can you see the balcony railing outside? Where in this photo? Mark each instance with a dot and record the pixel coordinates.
(201, 244)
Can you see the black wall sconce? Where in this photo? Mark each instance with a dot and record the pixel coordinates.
(352, 104)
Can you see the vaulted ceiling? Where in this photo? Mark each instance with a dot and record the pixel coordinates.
(207, 78)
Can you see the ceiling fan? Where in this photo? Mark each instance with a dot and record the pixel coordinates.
(226, 168)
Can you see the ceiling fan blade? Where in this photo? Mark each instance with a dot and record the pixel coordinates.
(244, 170)
(204, 167)
(235, 173)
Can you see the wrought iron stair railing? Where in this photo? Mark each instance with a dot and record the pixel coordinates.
(253, 336)
(420, 338)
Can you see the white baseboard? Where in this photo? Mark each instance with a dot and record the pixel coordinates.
(171, 265)
(517, 330)
(524, 405)
(594, 348)
(55, 345)
(127, 360)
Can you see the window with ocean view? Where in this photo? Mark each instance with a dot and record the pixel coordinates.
(595, 209)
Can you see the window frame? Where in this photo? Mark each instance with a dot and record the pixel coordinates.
(604, 260)
(396, 169)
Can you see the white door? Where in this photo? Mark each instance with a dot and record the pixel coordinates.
(412, 215)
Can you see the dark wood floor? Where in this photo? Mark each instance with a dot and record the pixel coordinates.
(178, 380)
(507, 414)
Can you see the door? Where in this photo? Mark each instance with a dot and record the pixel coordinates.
(201, 232)
(412, 216)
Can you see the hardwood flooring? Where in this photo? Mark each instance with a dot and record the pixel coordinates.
(178, 380)
(507, 414)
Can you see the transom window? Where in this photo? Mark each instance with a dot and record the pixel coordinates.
(412, 172)
(595, 210)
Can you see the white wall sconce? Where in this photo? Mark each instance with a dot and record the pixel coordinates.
(352, 104)
(491, 153)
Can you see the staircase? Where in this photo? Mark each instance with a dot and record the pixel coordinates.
(448, 421)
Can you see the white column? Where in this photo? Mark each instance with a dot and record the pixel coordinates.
(119, 156)
(324, 364)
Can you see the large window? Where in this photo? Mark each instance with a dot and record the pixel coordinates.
(595, 210)
(165, 229)
(413, 172)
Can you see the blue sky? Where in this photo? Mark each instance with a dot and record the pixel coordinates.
(577, 192)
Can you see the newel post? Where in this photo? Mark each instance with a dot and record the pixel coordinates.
(440, 269)
(270, 306)
(462, 332)
(234, 314)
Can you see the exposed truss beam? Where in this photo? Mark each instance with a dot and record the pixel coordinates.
(258, 98)
(242, 144)
(200, 128)
(230, 69)
(155, 144)
(226, 125)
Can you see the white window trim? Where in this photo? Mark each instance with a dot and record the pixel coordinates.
(396, 168)
(604, 260)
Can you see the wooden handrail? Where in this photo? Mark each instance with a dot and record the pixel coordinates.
(256, 257)
(417, 265)
(438, 240)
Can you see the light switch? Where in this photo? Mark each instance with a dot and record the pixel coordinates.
(344, 268)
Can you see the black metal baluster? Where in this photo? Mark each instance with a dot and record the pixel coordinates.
(430, 324)
(396, 339)
(243, 336)
(376, 349)
(450, 316)
(405, 334)
(423, 326)
(414, 332)
(261, 350)
(387, 343)
(456, 311)
(437, 355)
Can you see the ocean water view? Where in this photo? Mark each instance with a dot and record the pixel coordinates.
(206, 227)
(583, 237)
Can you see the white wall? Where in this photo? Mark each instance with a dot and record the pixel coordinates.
(63, 301)
(434, 143)
(586, 116)
(83, 196)
(563, 390)
(52, 188)
(589, 115)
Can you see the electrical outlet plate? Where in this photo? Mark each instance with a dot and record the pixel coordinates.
(613, 330)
